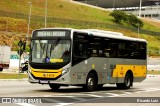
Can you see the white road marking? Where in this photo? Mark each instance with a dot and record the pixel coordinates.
(24, 104)
(112, 94)
(79, 99)
(64, 96)
(126, 93)
(89, 94)
(148, 90)
(63, 104)
(95, 95)
(151, 89)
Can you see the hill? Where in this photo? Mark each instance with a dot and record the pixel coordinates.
(65, 14)
(57, 9)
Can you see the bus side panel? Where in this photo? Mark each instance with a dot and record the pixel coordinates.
(97, 64)
(100, 65)
(110, 70)
(119, 68)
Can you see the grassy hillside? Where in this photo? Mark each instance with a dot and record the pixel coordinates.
(57, 9)
(65, 10)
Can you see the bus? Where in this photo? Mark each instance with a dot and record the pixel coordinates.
(86, 57)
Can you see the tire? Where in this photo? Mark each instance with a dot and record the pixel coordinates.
(54, 87)
(91, 83)
(1, 69)
(127, 82)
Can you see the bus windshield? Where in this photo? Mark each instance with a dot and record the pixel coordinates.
(50, 51)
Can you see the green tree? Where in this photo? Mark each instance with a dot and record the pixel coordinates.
(134, 21)
(119, 16)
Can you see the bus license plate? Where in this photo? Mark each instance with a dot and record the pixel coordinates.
(43, 81)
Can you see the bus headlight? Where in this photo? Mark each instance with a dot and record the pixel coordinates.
(65, 71)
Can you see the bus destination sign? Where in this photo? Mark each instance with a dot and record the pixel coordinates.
(51, 33)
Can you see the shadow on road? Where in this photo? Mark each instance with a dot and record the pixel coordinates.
(81, 90)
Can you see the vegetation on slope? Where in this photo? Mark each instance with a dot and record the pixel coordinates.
(17, 28)
(57, 9)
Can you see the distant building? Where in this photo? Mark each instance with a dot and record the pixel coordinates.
(150, 8)
(148, 11)
(118, 3)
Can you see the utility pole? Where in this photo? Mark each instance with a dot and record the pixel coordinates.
(140, 7)
(96, 2)
(46, 13)
(20, 43)
(86, 1)
(7, 25)
(138, 30)
(29, 18)
(157, 3)
(19, 60)
(113, 4)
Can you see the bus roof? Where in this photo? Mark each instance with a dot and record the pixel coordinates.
(110, 34)
(100, 33)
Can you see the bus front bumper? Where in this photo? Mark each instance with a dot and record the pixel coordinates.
(60, 80)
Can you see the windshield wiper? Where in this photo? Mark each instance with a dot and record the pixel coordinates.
(42, 46)
(54, 45)
(56, 42)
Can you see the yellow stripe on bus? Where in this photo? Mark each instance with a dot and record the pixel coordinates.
(46, 73)
(56, 60)
(137, 70)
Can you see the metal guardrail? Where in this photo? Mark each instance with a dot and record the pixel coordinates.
(85, 24)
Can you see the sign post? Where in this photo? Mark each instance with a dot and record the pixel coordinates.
(20, 43)
(19, 59)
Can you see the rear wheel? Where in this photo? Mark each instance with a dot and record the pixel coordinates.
(91, 82)
(127, 82)
(54, 87)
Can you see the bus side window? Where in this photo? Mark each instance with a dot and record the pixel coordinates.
(80, 50)
(80, 45)
(142, 50)
(122, 52)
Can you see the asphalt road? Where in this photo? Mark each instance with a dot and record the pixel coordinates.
(76, 96)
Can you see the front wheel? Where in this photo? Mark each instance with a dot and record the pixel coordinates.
(91, 82)
(1, 69)
(54, 87)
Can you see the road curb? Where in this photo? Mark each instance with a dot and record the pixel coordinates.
(153, 75)
(25, 79)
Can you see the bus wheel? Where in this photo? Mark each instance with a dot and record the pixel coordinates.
(1, 69)
(54, 87)
(91, 83)
(127, 82)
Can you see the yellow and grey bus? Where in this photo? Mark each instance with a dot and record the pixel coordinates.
(86, 57)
